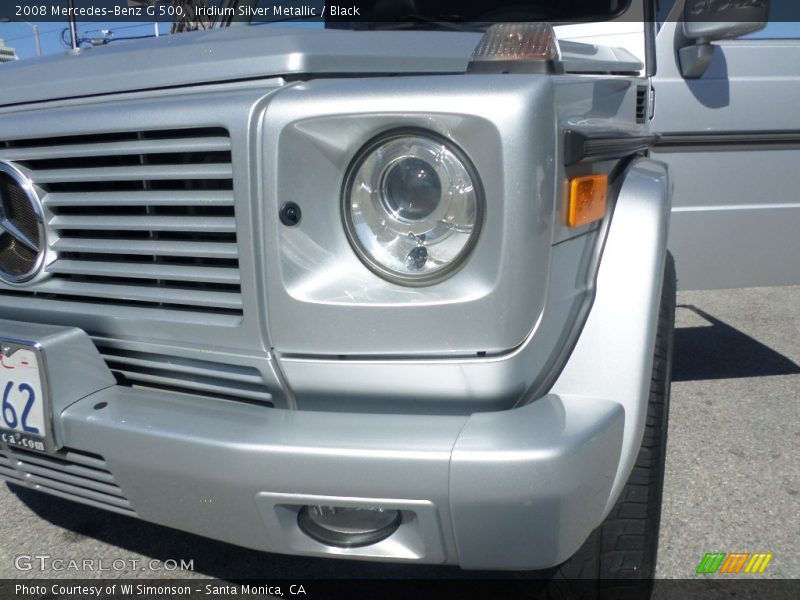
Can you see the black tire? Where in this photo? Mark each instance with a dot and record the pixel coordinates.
(620, 555)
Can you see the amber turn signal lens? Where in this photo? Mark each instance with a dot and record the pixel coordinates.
(587, 199)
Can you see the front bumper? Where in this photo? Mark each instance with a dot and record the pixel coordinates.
(535, 479)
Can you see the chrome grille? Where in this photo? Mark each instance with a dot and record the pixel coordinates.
(138, 219)
(74, 475)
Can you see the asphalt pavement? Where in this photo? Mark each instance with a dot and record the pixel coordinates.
(733, 459)
(732, 480)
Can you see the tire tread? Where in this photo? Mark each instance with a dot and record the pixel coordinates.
(621, 553)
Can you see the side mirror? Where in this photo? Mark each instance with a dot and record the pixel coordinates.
(707, 20)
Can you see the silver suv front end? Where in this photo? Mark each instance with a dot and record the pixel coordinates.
(215, 370)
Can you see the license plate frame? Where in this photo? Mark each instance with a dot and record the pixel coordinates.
(13, 355)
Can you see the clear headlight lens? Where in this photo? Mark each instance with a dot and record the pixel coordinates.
(412, 207)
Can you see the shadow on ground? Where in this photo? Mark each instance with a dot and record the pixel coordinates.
(719, 351)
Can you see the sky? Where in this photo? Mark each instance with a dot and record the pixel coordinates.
(19, 35)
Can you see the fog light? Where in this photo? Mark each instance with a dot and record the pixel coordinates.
(348, 527)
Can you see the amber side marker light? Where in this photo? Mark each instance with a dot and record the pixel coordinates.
(587, 199)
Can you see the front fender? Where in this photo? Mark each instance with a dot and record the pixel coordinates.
(614, 355)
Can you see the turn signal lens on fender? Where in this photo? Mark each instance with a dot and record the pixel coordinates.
(587, 199)
(517, 48)
(517, 42)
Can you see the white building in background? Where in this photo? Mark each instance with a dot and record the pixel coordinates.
(6, 54)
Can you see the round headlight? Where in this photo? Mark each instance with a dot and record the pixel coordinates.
(412, 207)
(411, 189)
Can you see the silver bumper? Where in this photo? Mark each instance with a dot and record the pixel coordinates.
(514, 489)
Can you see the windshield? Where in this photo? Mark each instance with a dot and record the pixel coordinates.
(487, 11)
(426, 14)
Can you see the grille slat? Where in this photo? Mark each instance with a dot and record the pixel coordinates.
(161, 248)
(76, 492)
(135, 173)
(85, 459)
(154, 294)
(70, 467)
(185, 375)
(66, 478)
(130, 147)
(89, 309)
(9, 474)
(7, 470)
(102, 503)
(146, 271)
(145, 223)
(141, 198)
(73, 475)
(138, 219)
(188, 368)
(145, 379)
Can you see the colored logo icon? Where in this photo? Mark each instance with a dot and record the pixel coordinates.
(734, 563)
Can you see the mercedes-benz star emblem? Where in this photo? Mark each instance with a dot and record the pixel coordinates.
(22, 236)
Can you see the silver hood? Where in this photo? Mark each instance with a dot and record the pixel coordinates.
(239, 53)
(230, 54)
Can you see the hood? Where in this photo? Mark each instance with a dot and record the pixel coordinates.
(239, 53)
(233, 53)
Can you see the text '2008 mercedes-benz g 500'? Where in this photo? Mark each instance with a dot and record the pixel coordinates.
(395, 289)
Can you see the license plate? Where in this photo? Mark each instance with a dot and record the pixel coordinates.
(24, 414)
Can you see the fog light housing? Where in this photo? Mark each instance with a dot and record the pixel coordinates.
(348, 527)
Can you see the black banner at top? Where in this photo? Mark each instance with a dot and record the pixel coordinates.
(420, 14)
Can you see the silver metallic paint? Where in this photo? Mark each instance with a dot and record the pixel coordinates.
(549, 465)
(542, 474)
(425, 466)
(736, 215)
(233, 54)
(249, 53)
(458, 384)
(343, 307)
(614, 355)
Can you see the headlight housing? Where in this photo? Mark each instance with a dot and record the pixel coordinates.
(412, 206)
